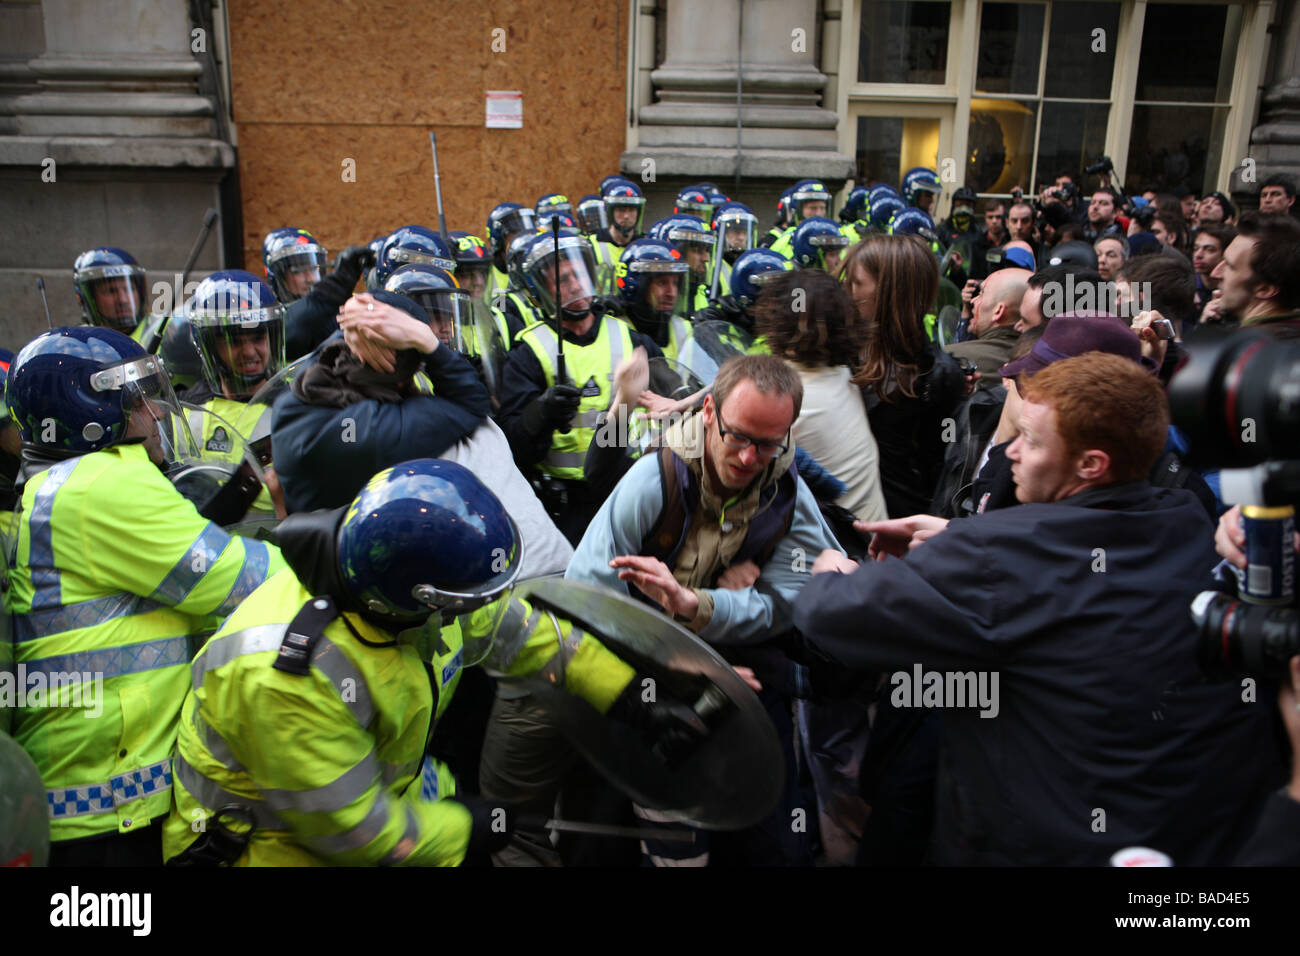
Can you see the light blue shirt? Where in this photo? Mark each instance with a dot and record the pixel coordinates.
(747, 616)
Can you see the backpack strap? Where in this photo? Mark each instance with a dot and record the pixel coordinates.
(1170, 472)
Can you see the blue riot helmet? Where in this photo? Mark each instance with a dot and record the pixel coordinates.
(817, 243)
(427, 536)
(422, 538)
(436, 291)
(553, 202)
(294, 262)
(693, 239)
(575, 260)
(505, 221)
(878, 192)
(111, 288)
(855, 206)
(807, 196)
(237, 326)
(76, 390)
(784, 216)
(920, 186)
(593, 217)
(883, 210)
(914, 222)
(693, 201)
(751, 270)
(609, 181)
(412, 244)
(626, 207)
(472, 262)
(651, 280)
(566, 221)
(736, 227)
(515, 258)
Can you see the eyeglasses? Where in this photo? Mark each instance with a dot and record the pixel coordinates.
(766, 449)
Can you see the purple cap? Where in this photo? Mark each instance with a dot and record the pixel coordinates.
(1073, 334)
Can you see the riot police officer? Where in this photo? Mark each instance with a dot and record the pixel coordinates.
(118, 576)
(111, 290)
(549, 418)
(294, 262)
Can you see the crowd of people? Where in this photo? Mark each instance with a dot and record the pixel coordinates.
(911, 486)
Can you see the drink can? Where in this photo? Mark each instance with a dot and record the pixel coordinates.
(1270, 554)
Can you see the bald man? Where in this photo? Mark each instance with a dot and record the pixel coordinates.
(995, 312)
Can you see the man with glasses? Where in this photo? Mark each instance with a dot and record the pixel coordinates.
(714, 530)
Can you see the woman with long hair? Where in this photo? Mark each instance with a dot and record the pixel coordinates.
(911, 386)
(807, 319)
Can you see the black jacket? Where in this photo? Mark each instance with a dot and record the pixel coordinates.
(910, 433)
(974, 422)
(312, 319)
(324, 454)
(1106, 735)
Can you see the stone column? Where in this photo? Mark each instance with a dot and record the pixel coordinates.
(105, 139)
(1275, 142)
(787, 130)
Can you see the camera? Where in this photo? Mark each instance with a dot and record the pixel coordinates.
(1237, 398)
(1103, 165)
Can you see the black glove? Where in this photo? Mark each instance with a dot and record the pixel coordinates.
(553, 409)
(492, 823)
(351, 262)
(670, 727)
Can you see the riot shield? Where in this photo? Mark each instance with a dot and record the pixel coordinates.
(24, 811)
(673, 381)
(489, 348)
(223, 477)
(712, 343)
(731, 779)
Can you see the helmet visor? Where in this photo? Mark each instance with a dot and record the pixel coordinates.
(449, 316)
(737, 232)
(239, 352)
(295, 270)
(575, 265)
(593, 216)
(150, 407)
(114, 296)
(664, 284)
(625, 212)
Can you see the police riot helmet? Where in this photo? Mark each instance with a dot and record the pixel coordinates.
(436, 291)
(751, 270)
(427, 536)
(111, 288)
(79, 389)
(294, 262)
(412, 244)
(817, 243)
(237, 325)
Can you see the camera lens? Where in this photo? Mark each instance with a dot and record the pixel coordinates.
(1236, 639)
(1238, 398)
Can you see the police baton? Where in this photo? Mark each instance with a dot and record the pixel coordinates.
(153, 339)
(560, 374)
(437, 188)
(539, 822)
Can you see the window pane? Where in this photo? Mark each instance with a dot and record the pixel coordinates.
(1074, 68)
(1001, 142)
(1175, 146)
(1072, 136)
(904, 42)
(1011, 43)
(887, 146)
(1188, 52)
